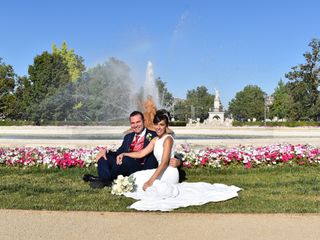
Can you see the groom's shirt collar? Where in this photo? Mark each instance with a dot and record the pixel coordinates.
(142, 134)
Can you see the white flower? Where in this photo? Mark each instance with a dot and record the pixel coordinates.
(122, 184)
(149, 137)
(120, 178)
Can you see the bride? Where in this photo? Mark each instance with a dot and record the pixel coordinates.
(158, 189)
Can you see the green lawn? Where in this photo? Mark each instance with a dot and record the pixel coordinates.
(266, 190)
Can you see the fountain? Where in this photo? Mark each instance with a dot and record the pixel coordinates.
(150, 88)
(150, 97)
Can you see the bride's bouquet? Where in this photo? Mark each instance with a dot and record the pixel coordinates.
(123, 184)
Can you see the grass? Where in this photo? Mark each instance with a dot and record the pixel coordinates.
(266, 190)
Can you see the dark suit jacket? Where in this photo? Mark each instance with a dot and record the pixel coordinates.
(150, 160)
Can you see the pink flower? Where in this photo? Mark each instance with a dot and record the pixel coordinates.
(204, 161)
(248, 165)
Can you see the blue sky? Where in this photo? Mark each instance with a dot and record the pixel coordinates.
(218, 44)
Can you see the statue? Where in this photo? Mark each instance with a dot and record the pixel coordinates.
(216, 104)
(217, 94)
(149, 112)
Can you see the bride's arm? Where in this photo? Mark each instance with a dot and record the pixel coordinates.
(144, 152)
(167, 146)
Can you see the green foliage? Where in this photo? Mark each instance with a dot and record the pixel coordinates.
(57, 107)
(201, 100)
(48, 76)
(73, 62)
(281, 102)
(103, 92)
(304, 85)
(118, 122)
(166, 98)
(15, 123)
(47, 94)
(248, 104)
(181, 110)
(7, 85)
(178, 124)
(236, 123)
(276, 124)
(23, 98)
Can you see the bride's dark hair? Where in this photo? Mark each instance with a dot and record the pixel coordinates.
(162, 114)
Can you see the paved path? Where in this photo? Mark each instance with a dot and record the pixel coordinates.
(19, 224)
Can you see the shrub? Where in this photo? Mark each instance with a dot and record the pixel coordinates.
(16, 123)
(178, 124)
(277, 124)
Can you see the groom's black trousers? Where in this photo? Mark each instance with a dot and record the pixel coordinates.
(109, 170)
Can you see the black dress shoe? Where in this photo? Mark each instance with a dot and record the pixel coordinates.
(100, 183)
(90, 178)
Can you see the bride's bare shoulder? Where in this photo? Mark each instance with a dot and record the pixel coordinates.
(168, 138)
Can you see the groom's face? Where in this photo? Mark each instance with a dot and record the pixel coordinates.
(137, 124)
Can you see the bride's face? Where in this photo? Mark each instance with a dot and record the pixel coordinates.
(160, 128)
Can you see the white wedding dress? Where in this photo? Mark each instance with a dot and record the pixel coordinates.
(166, 193)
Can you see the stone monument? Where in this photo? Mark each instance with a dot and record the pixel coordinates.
(216, 117)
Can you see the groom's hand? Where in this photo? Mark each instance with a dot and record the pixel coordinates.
(119, 159)
(174, 162)
(102, 153)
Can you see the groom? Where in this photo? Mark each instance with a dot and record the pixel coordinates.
(139, 138)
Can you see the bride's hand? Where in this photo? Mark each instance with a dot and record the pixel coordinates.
(146, 185)
(119, 159)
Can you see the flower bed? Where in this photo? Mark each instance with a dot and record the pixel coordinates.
(50, 157)
(270, 155)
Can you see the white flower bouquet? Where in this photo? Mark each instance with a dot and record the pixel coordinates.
(123, 184)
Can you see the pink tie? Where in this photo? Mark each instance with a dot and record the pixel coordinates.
(135, 142)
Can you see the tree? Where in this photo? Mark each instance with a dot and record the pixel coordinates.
(181, 110)
(23, 100)
(304, 85)
(7, 85)
(104, 92)
(48, 76)
(281, 102)
(166, 98)
(74, 62)
(201, 100)
(248, 104)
